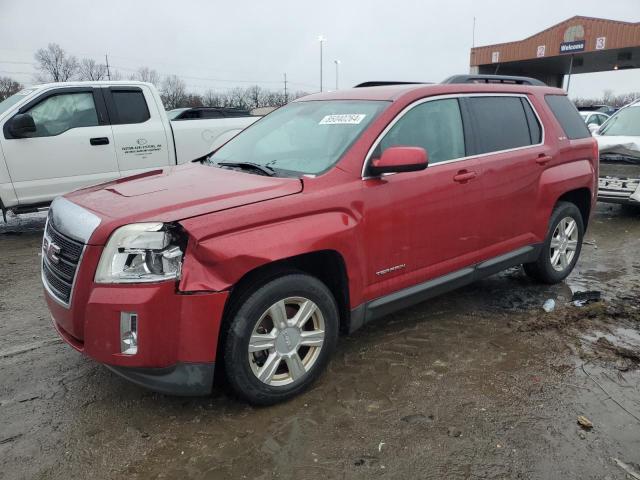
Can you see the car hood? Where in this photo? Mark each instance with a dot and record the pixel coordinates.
(177, 193)
(621, 145)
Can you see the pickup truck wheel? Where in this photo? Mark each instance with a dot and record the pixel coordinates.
(562, 246)
(280, 339)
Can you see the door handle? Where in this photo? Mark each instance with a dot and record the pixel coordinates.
(464, 176)
(99, 141)
(543, 159)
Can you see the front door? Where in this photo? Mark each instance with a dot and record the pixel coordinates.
(71, 148)
(422, 225)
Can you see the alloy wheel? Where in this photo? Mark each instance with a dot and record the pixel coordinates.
(286, 341)
(564, 244)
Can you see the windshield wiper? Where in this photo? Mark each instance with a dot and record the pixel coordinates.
(249, 166)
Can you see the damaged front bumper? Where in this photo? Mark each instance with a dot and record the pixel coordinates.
(619, 180)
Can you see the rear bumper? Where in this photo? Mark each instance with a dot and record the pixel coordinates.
(181, 379)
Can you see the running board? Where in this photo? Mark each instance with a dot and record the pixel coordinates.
(415, 294)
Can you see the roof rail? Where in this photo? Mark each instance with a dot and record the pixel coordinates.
(383, 83)
(505, 79)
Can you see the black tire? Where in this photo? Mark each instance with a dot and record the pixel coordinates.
(243, 319)
(542, 269)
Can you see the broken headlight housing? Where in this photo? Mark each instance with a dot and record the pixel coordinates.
(142, 252)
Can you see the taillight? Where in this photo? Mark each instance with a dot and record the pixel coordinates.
(596, 165)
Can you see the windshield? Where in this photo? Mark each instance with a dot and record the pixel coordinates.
(624, 123)
(302, 137)
(8, 102)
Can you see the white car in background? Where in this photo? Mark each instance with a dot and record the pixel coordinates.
(619, 144)
(60, 137)
(594, 119)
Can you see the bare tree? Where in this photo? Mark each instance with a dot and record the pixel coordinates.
(146, 74)
(54, 64)
(8, 86)
(89, 69)
(213, 99)
(173, 92)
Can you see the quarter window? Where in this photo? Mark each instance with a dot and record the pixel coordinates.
(568, 117)
(435, 126)
(502, 123)
(59, 113)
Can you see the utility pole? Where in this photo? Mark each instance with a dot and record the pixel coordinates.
(337, 62)
(321, 39)
(473, 35)
(286, 98)
(570, 72)
(106, 59)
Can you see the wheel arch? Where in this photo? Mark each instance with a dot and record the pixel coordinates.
(581, 198)
(327, 265)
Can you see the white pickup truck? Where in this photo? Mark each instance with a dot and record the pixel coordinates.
(59, 137)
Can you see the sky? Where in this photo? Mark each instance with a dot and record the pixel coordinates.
(221, 44)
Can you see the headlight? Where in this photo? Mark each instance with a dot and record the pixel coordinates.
(141, 252)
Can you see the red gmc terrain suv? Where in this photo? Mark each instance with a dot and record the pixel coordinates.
(326, 214)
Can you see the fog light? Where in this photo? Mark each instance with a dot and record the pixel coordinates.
(128, 333)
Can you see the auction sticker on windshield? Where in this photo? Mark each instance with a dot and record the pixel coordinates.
(343, 119)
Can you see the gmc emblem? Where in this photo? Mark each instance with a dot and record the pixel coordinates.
(50, 250)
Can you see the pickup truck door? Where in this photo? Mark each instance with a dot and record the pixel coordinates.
(139, 129)
(71, 148)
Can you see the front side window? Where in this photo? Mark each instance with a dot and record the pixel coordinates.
(302, 137)
(435, 126)
(624, 123)
(502, 123)
(59, 113)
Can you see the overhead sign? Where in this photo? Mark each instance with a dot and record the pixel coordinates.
(570, 47)
(573, 40)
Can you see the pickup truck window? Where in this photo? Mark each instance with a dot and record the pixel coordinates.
(302, 137)
(13, 99)
(130, 106)
(435, 126)
(59, 113)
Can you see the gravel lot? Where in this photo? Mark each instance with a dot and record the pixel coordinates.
(479, 383)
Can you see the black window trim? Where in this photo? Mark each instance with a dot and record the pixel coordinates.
(458, 96)
(111, 106)
(101, 110)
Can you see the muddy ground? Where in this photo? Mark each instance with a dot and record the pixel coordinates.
(479, 383)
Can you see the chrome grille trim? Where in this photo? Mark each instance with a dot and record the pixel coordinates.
(59, 279)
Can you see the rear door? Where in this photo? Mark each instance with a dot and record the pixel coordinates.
(138, 129)
(511, 154)
(71, 148)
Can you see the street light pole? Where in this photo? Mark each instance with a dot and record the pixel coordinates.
(337, 62)
(321, 39)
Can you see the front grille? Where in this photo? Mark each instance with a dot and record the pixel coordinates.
(60, 258)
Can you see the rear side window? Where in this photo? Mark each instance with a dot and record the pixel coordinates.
(501, 123)
(567, 116)
(130, 106)
(535, 130)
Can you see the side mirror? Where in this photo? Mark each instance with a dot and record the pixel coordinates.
(400, 159)
(21, 125)
(593, 127)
